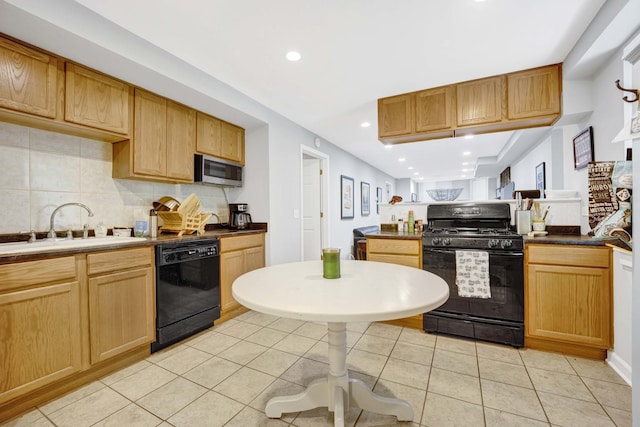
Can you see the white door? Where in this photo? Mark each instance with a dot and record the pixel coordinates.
(311, 209)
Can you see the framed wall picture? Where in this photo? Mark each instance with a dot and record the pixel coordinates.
(541, 180)
(364, 198)
(346, 197)
(583, 148)
(378, 199)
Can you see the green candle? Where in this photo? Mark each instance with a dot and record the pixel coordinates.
(331, 263)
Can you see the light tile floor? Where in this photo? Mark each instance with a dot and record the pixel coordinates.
(224, 376)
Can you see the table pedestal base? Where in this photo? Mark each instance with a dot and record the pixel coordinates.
(337, 391)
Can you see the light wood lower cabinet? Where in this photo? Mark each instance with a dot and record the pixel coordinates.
(69, 320)
(397, 251)
(238, 255)
(121, 303)
(568, 299)
(40, 339)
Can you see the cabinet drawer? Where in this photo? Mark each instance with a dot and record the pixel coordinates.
(569, 255)
(240, 242)
(391, 246)
(14, 276)
(119, 259)
(409, 261)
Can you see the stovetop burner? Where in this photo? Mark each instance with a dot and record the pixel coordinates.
(471, 226)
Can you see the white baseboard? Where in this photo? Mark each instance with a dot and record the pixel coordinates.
(620, 366)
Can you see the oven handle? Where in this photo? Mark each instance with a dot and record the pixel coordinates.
(453, 251)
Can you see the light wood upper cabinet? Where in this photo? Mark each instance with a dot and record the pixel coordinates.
(40, 320)
(163, 141)
(208, 139)
(534, 93)
(96, 100)
(29, 80)
(220, 139)
(395, 115)
(232, 142)
(479, 101)
(435, 109)
(568, 296)
(150, 134)
(181, 137)
(518, 100)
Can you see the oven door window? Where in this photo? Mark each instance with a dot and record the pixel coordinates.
(506, 273)
(187, 288)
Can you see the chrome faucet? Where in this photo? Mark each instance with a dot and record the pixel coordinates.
(52, 232)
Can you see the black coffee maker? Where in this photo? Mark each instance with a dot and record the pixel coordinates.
(239, 218)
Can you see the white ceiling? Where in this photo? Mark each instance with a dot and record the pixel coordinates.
(356, 51)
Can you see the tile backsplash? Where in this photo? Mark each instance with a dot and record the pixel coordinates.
(41, 170)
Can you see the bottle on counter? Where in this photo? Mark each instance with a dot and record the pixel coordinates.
(405, 226)
(411, 221)
(153, 224)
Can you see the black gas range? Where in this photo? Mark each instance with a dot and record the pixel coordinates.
(473, 248)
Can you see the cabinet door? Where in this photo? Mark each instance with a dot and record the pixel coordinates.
(408, 260)
(29, 80)
(150, 134)
(534, 93)
(39, 337)
(395, 115)
(121, 312)
(435, 109)
(569, 304)
(232, 142)
(208, 135)
(93, 99)
(232, 266)
(479, 101)
(254, 258)
(181, 141)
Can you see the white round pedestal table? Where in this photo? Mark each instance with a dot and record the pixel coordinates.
(367, 291)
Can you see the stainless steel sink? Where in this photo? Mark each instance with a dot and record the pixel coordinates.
(60, 244)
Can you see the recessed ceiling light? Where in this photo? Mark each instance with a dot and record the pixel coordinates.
(466, 153)
(388, 146)
(468, 137)
(465, 163)
(401, 159)
(293, 56)
(463, 176)
(410, 167)
(365, 124)
(416, 173)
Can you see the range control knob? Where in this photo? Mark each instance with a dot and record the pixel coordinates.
(446, 241)
(506, 243)
(435, 241)
(493, 243)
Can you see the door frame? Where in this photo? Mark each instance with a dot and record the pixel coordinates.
(324, 197)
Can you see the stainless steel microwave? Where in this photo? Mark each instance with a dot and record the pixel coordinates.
(212, 170)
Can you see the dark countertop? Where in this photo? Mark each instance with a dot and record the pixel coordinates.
(162, 238)
(395, 235)
(565, 239)
(551, 239)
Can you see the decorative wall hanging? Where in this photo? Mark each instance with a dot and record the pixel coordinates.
(346, 197)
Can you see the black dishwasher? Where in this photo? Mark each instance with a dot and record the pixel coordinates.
(187, 289)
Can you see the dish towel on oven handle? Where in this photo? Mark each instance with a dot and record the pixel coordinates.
(472, 274)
